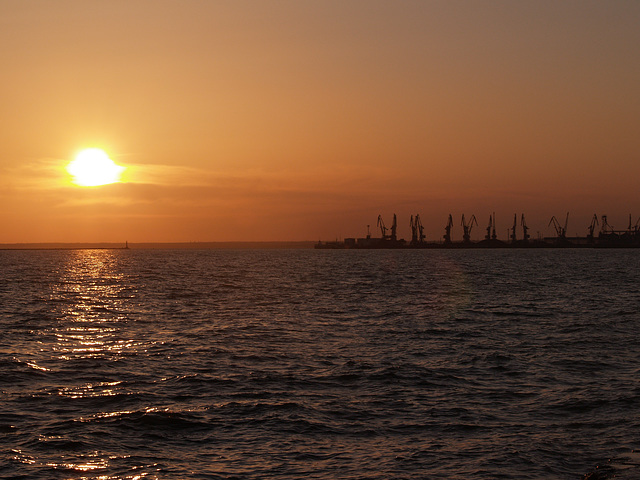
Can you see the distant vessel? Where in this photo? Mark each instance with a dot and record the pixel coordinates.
(608, 237)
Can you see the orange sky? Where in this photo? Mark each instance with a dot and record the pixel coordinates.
(295, 120)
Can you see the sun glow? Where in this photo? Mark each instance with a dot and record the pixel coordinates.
(93, 167)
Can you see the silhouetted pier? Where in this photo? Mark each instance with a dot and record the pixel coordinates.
(607, 237)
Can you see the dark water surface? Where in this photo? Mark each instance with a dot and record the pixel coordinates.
(256, 364)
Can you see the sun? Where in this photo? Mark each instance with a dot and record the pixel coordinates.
(93, 167)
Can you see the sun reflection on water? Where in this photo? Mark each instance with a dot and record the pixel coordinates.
(99, 389)
(93, 294)
(91, 300)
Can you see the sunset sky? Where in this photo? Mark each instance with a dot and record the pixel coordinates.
(304, 120)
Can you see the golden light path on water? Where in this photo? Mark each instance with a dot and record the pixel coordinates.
(91, 317)
(94, 295)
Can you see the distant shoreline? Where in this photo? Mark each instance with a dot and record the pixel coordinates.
(157, 245)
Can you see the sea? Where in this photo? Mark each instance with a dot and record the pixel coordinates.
(319, 364)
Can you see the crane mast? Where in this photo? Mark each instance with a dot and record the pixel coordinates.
(493, 235)
(421, 235)
(488, 235)
(561, 231)
(394, 228)
(592, 227)
(525, 229)
(447, 230)
(466, 227)
(383, 228)
(414, 230)
(606, 228)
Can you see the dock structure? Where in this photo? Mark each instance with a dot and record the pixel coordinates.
(607, 237)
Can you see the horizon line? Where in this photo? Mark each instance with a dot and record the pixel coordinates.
(151, 245)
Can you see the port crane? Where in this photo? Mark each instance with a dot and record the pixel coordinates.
(606, 228)
(383, 228)
(490, 227)
(466, 227)
(394, 228)
(513, 229)
(561, 231)
(592, 227)
(417, 230)
(609, 235)
(414, 231)
(447, 230)
(633, 230)
(421, 235)
(525, 229)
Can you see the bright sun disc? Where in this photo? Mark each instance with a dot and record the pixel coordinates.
(92, 167)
